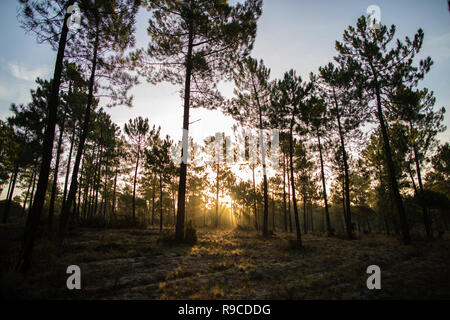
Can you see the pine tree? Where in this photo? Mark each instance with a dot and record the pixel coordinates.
(381, 68)
(195, 44)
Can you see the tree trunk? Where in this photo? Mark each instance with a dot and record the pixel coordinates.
(273, 212)
(390, 164)
(66, 180)
(289, 199)
(294, 199)
(28, 192)
(325, 200)
(425, 215)
(153, 200)
(217, 192)
(10, 196)
(347, 212)
(51, 209)
(36, 211)
(284, 195)
(305, 218)
(113, 208)
(254, 198)
(30, 205)
(85, 131)
(160, 203)
(181, 206)
(98, 175)
(135, 181)
(263, 158)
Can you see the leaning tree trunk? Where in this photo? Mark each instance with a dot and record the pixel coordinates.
(44, 172)
(30, 205)
(325, 200)
(390, 165)
(51, 209)
(69, 160)
(85, 131)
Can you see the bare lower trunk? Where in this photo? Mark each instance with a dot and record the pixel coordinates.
(347, 211)
(325, 200)
(85, 131)
(390, 165)
(11, 193)
(34, 217)
(294, 199)
(181, 207)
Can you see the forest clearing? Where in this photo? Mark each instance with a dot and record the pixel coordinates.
(231, 264)
(157, 155)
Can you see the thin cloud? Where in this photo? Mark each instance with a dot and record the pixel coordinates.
(23, 73)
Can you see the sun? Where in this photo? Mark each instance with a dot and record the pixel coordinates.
(225, 200)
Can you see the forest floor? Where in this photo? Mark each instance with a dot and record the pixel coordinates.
(233, 264)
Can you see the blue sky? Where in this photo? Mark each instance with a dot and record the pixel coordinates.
(291, 34)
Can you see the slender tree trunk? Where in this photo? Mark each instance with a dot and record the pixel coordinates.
(36, 211)
(344, 209)
(11, 193)
(254, 199)
(135, 180)
(273, 212)
(425, 215)
(390, 164)
(327, 215)
(289, 198)
(113, 208)
(263, 157)
(98, 176)
(284, 195)
(174, 209)
(66, 180)
(28, 192)
(294, 199)
(105, 191)
(347, 212)
(181, 207)
(30, 205)
(153, 201)
(11, 177)
(51, 209)
(85, 131)
(305, 218)
(217, 192)
(160, 203)
(79, 193)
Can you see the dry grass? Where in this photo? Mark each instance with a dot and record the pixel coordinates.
(133, 264)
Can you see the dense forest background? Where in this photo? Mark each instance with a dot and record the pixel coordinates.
(352, 151)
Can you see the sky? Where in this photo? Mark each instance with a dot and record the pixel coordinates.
(292, 34)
